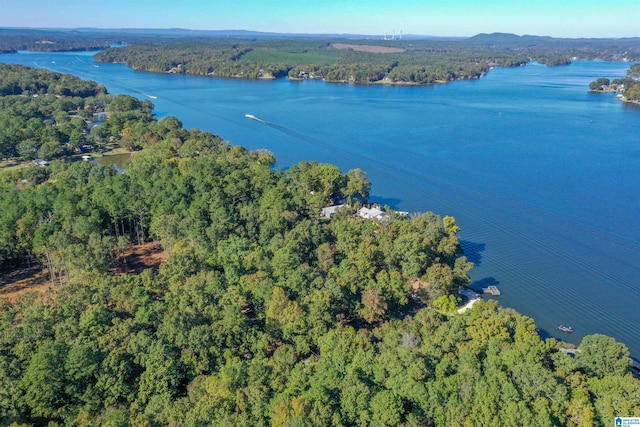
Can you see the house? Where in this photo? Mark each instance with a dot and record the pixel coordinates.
(329, 211)
(373, 213)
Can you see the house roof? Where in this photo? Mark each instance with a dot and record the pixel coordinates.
(372, 213)
(329, 211)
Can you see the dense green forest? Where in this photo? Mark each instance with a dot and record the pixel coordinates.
(46, 116)
(301, 59)
(628, 87)
(363, 61)
(263, 313)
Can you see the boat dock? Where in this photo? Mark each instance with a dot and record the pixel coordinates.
(491, 290)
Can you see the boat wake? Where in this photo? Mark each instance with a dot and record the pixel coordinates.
(258, 119)
(287, 131)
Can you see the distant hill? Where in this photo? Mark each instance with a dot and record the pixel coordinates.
(506, 39)
(511, 39)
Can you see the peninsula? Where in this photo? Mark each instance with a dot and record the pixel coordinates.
(627, 89)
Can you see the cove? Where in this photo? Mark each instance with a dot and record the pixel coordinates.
(542, 176)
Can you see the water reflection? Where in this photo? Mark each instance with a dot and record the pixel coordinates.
(118, 161)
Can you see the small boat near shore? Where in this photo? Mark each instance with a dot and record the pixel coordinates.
(564, 328)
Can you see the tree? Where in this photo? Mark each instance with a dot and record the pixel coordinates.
(44, 380)
(386, 409)
(123, 103)
(437, 281)
(601, 355)
(358, 186)
(374, 305)
(599, 84)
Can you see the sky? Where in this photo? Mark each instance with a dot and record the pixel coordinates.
(556, 18)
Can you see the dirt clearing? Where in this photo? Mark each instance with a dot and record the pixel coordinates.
(366, 48)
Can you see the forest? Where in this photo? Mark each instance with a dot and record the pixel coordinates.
(262, 312)
(363, 61)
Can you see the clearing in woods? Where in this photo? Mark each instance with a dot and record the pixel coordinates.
(366, 48)
(35, 278)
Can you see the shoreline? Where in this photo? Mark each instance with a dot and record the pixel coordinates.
(124, 153)
(382, 82)
(618, 98)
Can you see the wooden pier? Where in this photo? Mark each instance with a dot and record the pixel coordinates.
(491, 290)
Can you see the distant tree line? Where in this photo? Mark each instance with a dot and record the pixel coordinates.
(53, 41)
(418, 65)
(14, 39)
(421, 62)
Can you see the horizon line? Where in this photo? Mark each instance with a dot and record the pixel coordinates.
(301, 34)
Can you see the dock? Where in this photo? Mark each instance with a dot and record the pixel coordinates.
(491, 290)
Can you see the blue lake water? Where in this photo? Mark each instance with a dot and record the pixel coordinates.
(542, 176)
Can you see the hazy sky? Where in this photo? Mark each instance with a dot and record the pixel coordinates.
(559, 18)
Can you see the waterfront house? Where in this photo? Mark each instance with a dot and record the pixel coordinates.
(373, 213)
(329, 211)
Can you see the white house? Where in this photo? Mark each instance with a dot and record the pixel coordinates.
(329, 211)
(372, 213)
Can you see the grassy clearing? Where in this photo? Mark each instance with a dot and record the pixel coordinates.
(13, 164)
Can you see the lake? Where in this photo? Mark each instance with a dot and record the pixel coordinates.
(542, 176)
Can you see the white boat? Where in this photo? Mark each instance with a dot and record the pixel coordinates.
(564, 328)
(251, 116)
